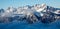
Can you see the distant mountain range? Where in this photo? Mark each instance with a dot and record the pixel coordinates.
(43, 13)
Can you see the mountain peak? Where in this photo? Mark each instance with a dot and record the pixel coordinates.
(40, 8)
(1, 10)
(43, 4)
(31, 13)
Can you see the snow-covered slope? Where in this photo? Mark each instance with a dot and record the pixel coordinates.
(43, 13)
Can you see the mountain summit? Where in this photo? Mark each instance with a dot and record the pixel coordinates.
(43, 13)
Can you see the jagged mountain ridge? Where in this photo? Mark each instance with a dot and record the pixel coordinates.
(31, 14)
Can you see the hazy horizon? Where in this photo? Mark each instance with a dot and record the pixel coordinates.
(19, 3)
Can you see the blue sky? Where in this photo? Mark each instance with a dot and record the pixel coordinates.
(18, 3)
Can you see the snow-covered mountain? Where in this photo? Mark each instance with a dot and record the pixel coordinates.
(43, 13)
(1, 11)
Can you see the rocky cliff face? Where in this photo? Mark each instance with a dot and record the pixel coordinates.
(31, 14)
